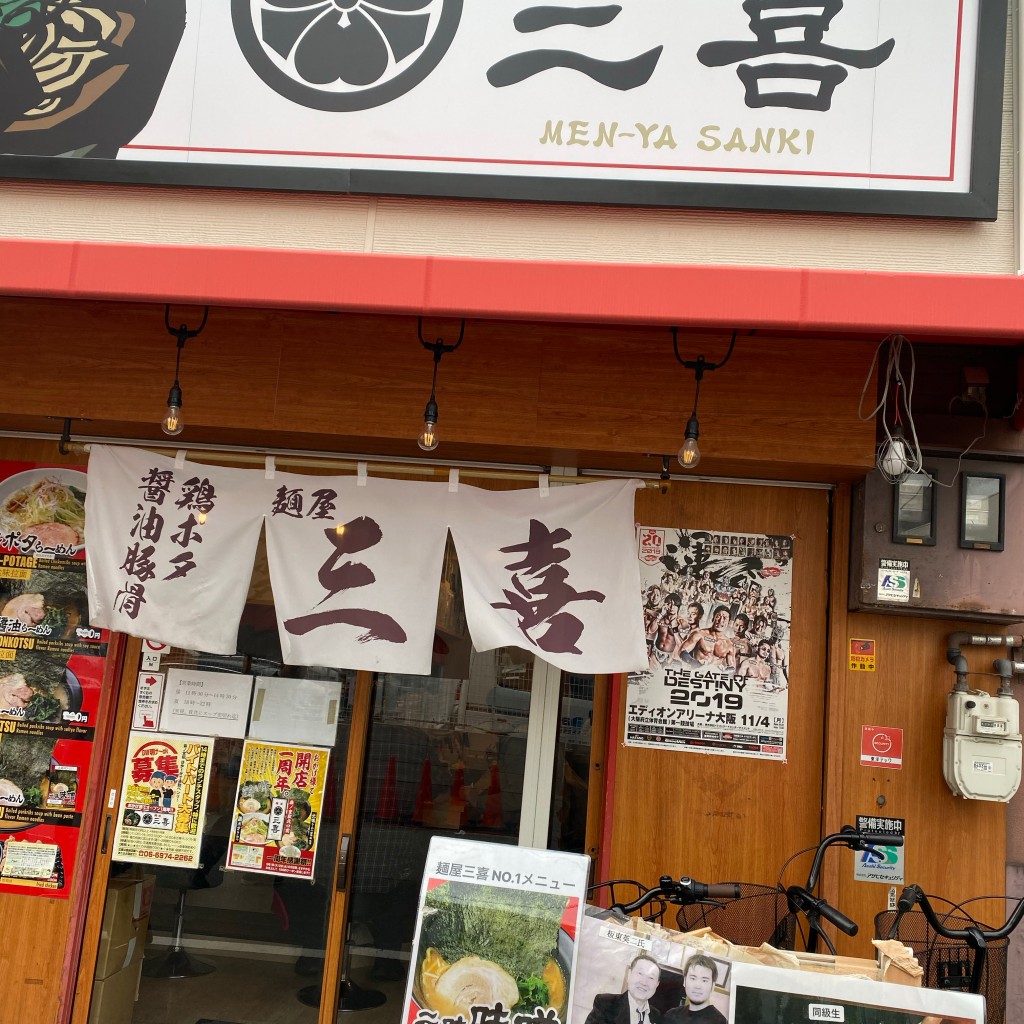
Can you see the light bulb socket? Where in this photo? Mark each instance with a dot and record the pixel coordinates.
(430, 412)
(174, 396)
(692, 428)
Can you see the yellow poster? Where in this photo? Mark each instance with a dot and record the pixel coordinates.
(277, 809)
(163, 799)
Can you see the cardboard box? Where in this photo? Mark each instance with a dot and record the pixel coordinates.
(883, 969)
(113, 998)
(125, 924)
(111, 959)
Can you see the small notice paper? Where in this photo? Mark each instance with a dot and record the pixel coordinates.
(213, 703)
(28, 860)
(296, 711)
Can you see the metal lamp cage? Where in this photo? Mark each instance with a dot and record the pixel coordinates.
(948, 963)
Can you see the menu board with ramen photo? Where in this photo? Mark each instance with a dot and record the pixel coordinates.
(163, 799)
(496, 936)
(277, 809)
(52, 664)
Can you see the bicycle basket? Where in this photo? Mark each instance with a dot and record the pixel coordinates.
(947, 963)
(760, 914)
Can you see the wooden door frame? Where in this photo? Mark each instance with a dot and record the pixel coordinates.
(76, 1010)
(125, 679)
(358, 742)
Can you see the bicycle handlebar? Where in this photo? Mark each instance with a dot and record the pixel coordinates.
(976, 937)
(848, 836)
(681, 892)
(801, 900)
(914, 895)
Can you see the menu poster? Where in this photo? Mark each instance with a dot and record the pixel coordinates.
(495, 934)
(277, 809)
(51, 670)
(163, 799)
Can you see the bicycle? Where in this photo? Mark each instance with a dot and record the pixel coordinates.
(963, 962)
(749, 914)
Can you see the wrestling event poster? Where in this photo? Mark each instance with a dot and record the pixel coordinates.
(51, 668)
(717, 615)
(496, 934)
(275, 828)
(162, 808)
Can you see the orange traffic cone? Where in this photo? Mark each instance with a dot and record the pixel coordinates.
(387, 802)
(457, 803)
(423, 809)
(493, 816)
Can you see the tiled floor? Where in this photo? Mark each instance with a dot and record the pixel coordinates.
(244, 991)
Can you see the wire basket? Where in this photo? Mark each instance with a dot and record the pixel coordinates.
(760, 914)
(948, 963)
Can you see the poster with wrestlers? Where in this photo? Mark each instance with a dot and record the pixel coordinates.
(717, 617)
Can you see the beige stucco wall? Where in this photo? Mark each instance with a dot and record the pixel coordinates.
(516, 230)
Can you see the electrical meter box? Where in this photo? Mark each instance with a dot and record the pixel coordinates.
(981, 745)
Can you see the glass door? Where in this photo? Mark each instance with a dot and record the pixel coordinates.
(183, 945)
(492, 746)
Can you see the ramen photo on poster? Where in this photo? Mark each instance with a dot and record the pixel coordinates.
(496, 933)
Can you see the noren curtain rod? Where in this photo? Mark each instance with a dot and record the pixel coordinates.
(348, 462)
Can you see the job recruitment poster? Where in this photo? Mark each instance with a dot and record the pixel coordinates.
(496, 934)
(717, 615)
(51, 669)
(163, 799)
(277, 809)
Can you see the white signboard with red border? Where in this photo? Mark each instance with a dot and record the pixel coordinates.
(888, 106)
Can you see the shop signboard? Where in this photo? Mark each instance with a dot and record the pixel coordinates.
(162, 809)
(276, 822)
(496, 934)
(51, 669)
(717, 615)
(880, 106)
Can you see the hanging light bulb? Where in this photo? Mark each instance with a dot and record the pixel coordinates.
(895, 458)
(428, 439)
(173, 423)
(689, 454)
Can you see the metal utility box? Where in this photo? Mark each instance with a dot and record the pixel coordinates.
(907, 552)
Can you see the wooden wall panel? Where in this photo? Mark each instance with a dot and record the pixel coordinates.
(955, 847)
(597, 396)
(722, 818)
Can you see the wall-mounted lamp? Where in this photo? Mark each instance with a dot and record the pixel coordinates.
(428, 439)
(689, 454)
(173, 423)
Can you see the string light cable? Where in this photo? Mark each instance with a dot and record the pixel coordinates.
(899, 454)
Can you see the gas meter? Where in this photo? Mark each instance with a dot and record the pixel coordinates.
(981, 745)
